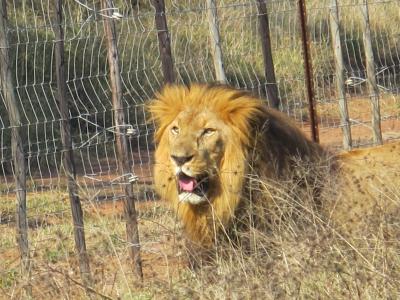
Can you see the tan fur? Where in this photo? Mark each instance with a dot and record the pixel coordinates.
(368, 183)
(249, 139)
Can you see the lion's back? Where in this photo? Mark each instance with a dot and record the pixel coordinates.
(369, 180)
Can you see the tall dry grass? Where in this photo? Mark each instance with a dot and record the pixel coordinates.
(283, 245)
(293, 247)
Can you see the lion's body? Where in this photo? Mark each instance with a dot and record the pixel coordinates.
(225, 136)
(367, 185)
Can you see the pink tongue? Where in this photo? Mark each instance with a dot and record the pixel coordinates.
(187, 184)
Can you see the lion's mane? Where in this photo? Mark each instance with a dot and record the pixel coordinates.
(263, 142)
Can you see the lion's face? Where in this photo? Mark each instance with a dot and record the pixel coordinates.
(196, 142)
(202, 140)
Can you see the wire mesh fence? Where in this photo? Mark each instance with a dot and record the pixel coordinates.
(31, 39)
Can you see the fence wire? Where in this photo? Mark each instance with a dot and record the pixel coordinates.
(32, 42)
(32, 45)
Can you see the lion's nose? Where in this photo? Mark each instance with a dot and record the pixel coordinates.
(181, 160)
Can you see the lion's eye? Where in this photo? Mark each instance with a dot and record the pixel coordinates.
(208, 131)
(175, 130)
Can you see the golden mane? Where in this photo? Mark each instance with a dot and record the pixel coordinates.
(173, 99)
(258, 140)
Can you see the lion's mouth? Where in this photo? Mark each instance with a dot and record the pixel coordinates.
(192, 189)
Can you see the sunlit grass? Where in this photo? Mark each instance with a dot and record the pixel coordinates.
(343, 248)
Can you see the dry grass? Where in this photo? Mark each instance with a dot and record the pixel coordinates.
(302, 250)
(346, 247)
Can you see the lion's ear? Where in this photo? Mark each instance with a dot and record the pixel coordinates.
(165, 107)
(161, 115)
(241, 112)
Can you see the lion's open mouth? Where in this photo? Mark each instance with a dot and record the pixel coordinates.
(192, 189)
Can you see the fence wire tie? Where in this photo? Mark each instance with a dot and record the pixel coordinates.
(92, 178)
(115, 10)
(133, 244)
(129, 130)
(115, 15)
(131, 178)
(354, 80)
(359, 123)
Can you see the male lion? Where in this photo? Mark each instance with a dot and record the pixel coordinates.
(209, 140)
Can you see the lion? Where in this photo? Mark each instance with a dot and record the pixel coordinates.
(367, 188)
(209, 141)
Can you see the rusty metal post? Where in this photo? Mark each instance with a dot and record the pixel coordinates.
(308, 71)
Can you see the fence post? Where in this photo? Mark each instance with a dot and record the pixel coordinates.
(308, 70)
(339, 66)
(132, 232)
(269, 69)
(371, 77)
(19, 166)
(67, 153)
(164, 42)
(215, 41)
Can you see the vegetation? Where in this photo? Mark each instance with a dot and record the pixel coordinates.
(31, 38)
(296, 250)
(303, 252)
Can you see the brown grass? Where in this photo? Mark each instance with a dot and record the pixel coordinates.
(347, 247)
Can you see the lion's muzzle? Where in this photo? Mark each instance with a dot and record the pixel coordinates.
(181, 160)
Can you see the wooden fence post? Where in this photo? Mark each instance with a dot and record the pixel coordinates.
(19, 166)
(164, 41)
(308, 70)
(339, 66)
(371, 77)
(132, 232)
(68, 154)
(215, 41)
(269, 69)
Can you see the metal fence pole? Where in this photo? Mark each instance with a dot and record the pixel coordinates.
(19, 166)
(130, 214)
(164, 41)
(308, 71)
(269, 69)
(339, 66)
(215, 40)
(371, 77)
(68, 154)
